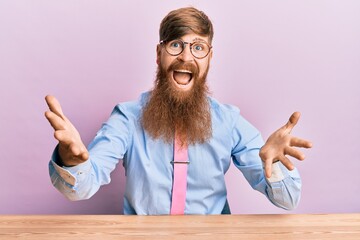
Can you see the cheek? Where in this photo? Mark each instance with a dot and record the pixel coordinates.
(165, 60)
(203, 67)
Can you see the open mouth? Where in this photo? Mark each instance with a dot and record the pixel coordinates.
(182, 77)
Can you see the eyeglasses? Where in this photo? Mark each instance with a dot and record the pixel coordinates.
(199, 49)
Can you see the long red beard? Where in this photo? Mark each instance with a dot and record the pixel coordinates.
(168, 109)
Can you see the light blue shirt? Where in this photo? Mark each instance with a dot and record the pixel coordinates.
(149, 173)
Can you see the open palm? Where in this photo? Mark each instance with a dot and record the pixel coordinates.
(282, 143)
(72, 150)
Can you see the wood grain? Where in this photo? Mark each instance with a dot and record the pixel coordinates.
(296, 226)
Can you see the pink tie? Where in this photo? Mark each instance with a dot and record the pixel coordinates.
(180, 174)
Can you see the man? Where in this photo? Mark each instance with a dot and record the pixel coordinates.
(177, 118)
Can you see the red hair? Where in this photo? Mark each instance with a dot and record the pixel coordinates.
(183, 21)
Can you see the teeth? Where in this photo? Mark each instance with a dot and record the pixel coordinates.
(183, 71)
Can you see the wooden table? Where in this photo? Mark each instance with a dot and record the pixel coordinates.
(219, 227)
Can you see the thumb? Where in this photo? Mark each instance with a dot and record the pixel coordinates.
(267, 167)
(85, 155)
(78, 151)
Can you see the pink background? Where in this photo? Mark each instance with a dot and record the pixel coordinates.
(270, 58)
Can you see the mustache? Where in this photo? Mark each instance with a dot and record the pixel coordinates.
(177, 65)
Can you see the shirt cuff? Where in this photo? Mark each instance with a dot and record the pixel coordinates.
(71, 175)
(278, 173)
(64, 174)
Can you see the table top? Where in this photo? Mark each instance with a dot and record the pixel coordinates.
(269, 226)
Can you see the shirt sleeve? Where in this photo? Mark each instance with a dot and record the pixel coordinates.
(109, 145)
(283, 189)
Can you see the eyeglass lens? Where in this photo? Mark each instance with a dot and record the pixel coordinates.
(198, 49)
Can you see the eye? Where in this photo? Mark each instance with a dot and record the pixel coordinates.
(198, 47)
(175, 44)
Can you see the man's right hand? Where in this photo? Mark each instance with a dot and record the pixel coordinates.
(72, 150)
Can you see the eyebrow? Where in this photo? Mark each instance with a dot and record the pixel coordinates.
(199, 39)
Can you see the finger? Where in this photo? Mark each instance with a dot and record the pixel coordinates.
(55, 121)
(286, 162)
(294, 118)
(268, 166)
(294, 153)
(298, 142)
(64, 137)
(54, 105)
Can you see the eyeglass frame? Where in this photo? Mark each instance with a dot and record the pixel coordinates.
(184, 46)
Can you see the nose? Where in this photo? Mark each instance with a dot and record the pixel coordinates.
(186, 55)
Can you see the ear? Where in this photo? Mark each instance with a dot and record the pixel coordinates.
(158, 53)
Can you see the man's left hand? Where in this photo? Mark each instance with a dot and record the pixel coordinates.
(282, 143)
